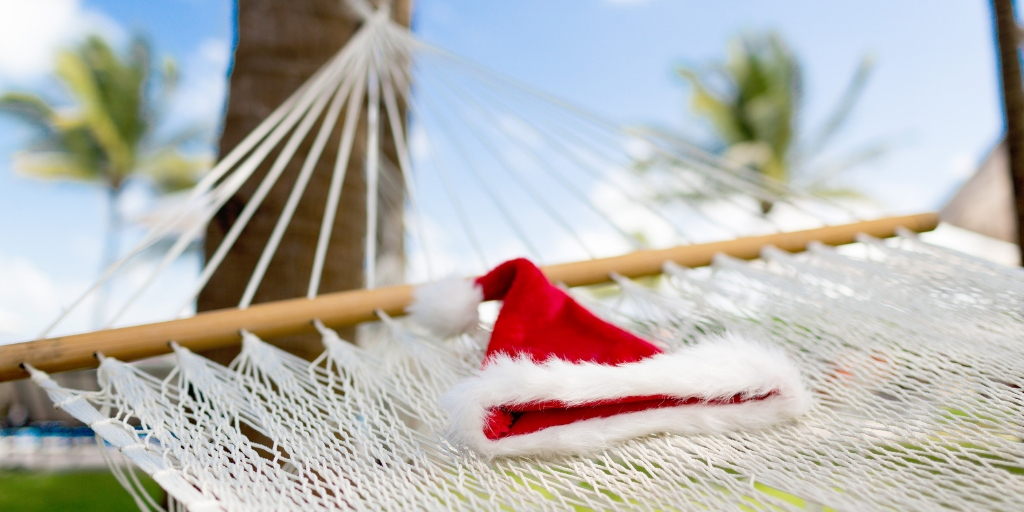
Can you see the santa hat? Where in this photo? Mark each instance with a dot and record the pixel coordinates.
(557, 379)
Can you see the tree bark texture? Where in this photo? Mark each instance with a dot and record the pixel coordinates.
(1013, 103)
(280, 45)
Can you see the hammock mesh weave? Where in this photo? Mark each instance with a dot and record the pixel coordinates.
(912, 352)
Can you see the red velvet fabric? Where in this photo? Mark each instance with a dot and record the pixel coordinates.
(539, 320)
(519, 419)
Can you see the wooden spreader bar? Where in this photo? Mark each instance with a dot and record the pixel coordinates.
(221, 328)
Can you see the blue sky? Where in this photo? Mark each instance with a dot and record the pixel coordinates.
(934, 89)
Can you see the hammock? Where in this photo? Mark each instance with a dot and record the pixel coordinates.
(908, 348)
(912, 353)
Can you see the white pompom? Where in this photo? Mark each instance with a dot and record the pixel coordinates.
(447, 307)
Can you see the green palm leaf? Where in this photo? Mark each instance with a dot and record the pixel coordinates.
(106, 136)
(29, 108)
(752, 101)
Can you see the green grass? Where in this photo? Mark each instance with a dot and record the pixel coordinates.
(79, 491)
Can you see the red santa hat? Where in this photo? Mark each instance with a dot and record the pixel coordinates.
(557, 379)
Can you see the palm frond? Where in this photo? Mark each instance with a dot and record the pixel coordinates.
(752, 100)
(171, 170)
(713, 106)
(108, 134)
(81, 82)
(54, 166)
(757, 100)
(28, 107)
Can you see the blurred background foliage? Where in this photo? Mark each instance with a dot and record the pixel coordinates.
(752, 101)
(111, 131)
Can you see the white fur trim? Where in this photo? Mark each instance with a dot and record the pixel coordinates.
(719, 367)
(447, 307)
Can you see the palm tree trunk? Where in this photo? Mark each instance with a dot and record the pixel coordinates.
(1013, 103)
(280, 45)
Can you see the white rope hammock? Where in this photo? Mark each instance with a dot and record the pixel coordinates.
(910, 350)
(912, 353)
(489, 170)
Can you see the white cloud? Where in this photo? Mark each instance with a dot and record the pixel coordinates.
(420, 147)
(32, 297)
(24, 282)
(29, 35)
(10, 322)
(200, 98)
(638, 149)
(447, 256)
(215, 52)
(32, 32)
(519, 131)
(29, 297)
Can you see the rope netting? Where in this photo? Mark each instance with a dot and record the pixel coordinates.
(911, 350)
(476, 167)
(912, 353)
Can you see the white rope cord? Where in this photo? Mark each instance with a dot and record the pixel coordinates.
(165, 226)
(275, 172)
(750, 182)
(121, 468)
(594, 146)
(555, 132)
(507, 166)
(606, 145)
(914, 411)
(318, 88)
(755, 180)
(299, 187)
(337, 179)
(843, 275)
(510, 169)
(574, 149)
(317, 92)
(402, 77)
(594, 121)
(125, 439)
(218, 197)
(438, 166)
(372, 173)
(607, 128)
(405, 166)
(460, 212)
(689, 152)
(206, 199)
(289, 151)
(698, 183)
(180, 245)
(364, 9)
(736, 189)
(475, 170)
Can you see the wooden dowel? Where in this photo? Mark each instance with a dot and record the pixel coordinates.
(268, 320)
